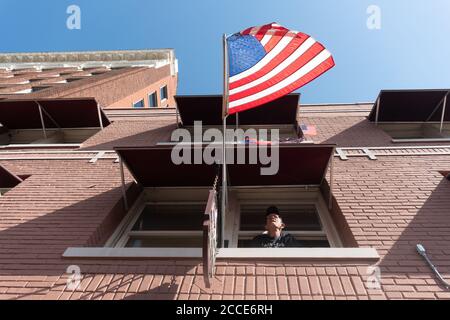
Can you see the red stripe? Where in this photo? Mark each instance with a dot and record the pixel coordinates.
(276, 37)
(247, 31)
(286, 52)
(320, 69)
(262, 31)
(301, 61)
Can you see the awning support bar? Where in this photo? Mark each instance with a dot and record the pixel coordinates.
(100, 120)
(443, 114)
(437, 107)
(42, 121)
(377, 110)
(49, 116)
(122, 176)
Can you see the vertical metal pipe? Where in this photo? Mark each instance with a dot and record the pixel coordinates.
(42, 120)
(224, 158)
(100, 120)
(443, 114)
(225, 78)
(224, 184)
(122, 176)
(237, 120)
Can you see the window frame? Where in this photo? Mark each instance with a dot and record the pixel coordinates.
(127, 233)
(329, 230)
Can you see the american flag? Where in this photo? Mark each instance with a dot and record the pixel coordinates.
(270, 61)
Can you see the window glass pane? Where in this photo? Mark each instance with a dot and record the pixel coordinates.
(295, 217)
(171, 217)
(164, 93)
(165, 242)
(152, 100)
(139, 104)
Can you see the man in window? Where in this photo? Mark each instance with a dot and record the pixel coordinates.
(274, 237)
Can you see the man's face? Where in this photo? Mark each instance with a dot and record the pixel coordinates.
(273, 221)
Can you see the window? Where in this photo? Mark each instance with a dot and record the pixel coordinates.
(167, 225)
(39, 88)
(163, 93)
(170, 221)
(56, 121)
(152, 100)
(301, 220)
(168, 218)
(139, 104)
(413, 115)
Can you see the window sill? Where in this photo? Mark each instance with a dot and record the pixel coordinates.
(409, 140)
(328, 254)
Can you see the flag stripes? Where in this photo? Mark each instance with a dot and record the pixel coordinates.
(292, 60)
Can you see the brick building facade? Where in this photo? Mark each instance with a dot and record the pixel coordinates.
(387, 196)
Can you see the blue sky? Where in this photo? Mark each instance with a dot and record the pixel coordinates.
(411, 50)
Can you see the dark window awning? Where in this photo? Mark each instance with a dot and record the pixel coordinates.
(8, 179)
(411, 106)
(298, 165)
(153, 167)
(62, 113)
(208, 109)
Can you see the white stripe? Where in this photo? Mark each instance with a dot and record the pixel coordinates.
(321, 57)
(254, 30)
(267, 58)
(294, 56)
(266, 38)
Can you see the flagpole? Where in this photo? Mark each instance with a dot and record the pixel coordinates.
(224, 120)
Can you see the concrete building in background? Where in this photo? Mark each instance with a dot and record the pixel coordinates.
(115, 79)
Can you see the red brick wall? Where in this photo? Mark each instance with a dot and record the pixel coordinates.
(390, 204)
